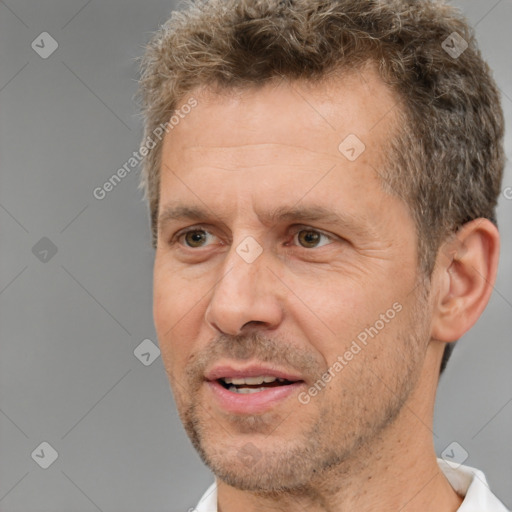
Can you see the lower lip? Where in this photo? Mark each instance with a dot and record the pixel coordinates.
(252, 403)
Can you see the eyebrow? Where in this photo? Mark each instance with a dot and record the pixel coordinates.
(311, 213)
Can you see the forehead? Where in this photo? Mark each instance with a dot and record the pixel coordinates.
(282, 141)
(295, 113)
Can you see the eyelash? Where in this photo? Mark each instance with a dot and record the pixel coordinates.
(296, 230)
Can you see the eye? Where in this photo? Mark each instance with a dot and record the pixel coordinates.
(195, 237)
(310, 238)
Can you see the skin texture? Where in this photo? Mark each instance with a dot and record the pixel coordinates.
(364, 442)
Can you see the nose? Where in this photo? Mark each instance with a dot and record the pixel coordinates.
(245, 296)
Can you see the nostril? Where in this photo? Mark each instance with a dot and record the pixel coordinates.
(253, 323)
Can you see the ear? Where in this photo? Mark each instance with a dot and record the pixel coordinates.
(465, 273)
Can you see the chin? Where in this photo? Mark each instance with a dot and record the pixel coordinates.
(265, 466)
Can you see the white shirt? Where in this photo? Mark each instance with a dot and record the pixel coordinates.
(465, 480)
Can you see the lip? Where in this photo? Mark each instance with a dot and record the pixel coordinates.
(254, 370)
(251, 403)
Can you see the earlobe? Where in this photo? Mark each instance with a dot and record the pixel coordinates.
(464, 276)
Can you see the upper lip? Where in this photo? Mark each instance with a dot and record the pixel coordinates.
(254, 370)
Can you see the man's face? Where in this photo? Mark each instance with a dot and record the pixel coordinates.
(249, 294)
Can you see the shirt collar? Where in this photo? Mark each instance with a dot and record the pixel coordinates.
(471, 484)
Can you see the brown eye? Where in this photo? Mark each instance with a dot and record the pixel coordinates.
(195, 238)
(309, 238)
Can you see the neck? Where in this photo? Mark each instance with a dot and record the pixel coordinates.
(398, 471)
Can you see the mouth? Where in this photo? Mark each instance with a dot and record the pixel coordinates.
(250, 385)
(251, 390)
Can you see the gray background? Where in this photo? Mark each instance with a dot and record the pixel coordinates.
(69, 326)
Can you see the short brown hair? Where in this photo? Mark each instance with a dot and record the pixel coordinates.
(446, 161)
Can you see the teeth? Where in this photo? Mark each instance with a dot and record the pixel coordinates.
(251, 380)
(245, 391)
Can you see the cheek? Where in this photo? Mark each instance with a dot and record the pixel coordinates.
(176, 316)
(172, 298)
(342, 318)
(335, 308)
